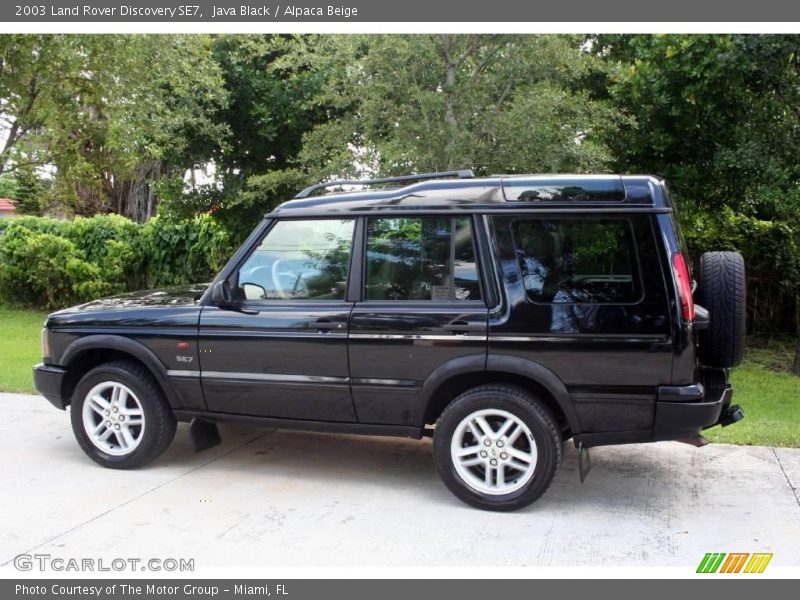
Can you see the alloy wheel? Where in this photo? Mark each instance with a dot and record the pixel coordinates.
(493, 451)
(113, 418)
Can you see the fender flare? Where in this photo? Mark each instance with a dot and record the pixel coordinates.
(461, 365)
(504, 364)
(541, 375)
(122, 344)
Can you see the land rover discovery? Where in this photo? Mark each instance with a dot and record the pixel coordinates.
(502, 316)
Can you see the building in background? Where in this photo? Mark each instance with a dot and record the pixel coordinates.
(8, 207)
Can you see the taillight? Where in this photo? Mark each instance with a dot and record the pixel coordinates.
(684, 285)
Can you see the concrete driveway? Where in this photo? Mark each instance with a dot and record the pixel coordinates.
(269, 497)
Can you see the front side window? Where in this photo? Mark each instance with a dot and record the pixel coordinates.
(299, 260)
(577, 261)
(421, 258)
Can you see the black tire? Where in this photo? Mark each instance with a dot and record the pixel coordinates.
(159, 422)
(722, 291)
(521, 404)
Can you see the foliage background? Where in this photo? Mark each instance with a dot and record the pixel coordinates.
(180, 144)
(51, 263)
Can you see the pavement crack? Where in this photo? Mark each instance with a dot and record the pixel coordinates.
(135, 498)
(786, 475)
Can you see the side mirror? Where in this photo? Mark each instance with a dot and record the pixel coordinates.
(221, 294)
(253, 291)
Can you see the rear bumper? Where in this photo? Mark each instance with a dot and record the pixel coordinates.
(676, 420)
(681, 412)
(47, 380)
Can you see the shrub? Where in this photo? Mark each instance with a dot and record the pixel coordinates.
(109, 241)
(771, 250)
(182, 251)
(46, 270)
(38, 224)
(50, 263)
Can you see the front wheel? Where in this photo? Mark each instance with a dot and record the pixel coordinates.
(120, 417)
(497, 447)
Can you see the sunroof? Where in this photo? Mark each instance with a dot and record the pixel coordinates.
(564, 189)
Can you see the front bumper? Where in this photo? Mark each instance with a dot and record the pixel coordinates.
(47, 380)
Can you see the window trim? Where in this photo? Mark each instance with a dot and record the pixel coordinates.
(283, 301)
(489, 261)
(362, 296)
(639, 282)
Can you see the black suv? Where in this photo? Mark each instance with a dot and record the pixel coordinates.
(502, 316)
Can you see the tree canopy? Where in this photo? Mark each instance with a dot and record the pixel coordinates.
(113, 123)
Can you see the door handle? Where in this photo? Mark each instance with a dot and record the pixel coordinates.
(328, 325)
(463, 327)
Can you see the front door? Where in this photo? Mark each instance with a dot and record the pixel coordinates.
(283, 352)
(421, 306)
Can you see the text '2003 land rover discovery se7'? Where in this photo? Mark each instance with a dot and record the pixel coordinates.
(502, 316)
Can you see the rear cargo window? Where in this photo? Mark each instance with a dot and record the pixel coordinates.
(577, 261)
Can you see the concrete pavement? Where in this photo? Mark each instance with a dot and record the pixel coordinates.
(269, 497)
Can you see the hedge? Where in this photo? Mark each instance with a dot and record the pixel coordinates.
(771, 251)
(50, 263)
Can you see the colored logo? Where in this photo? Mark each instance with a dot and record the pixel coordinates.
(735, 562)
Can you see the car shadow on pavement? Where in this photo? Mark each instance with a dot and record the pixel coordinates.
(276, 458)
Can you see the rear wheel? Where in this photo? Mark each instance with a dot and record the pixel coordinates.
(120, 417)
(497, 447)
(721, 290)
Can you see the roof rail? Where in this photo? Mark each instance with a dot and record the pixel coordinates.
(463, 174)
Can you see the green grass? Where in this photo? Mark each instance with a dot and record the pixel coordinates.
(763, 384)
(769, 394)
(20, 347)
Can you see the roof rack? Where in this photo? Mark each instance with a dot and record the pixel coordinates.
(462, 174)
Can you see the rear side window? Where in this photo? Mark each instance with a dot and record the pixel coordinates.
(578, 261)
(421, 258)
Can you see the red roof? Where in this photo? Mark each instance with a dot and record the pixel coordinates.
(7, 204)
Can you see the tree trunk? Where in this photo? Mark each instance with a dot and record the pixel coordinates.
(135, 198)
(796, 365)
(451, 69)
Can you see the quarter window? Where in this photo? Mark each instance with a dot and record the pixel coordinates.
(299, 260)
(426, 258)
(577, 261)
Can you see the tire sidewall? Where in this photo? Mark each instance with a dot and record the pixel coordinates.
(548, 455)
(143, 391)
(722, 290)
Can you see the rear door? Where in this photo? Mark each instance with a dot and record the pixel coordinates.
(283, 351)
(421, 304)
(587, 300)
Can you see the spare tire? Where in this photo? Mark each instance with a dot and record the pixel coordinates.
(722, 292)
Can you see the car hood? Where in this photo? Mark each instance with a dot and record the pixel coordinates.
(186, 295)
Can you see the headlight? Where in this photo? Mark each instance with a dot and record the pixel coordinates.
(45, 344)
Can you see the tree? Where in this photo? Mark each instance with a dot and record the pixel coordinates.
(717, 115)
(494, 103)
(31, 67)
(270, 108)
(113, 113)
(8, 186)
(31, 190)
